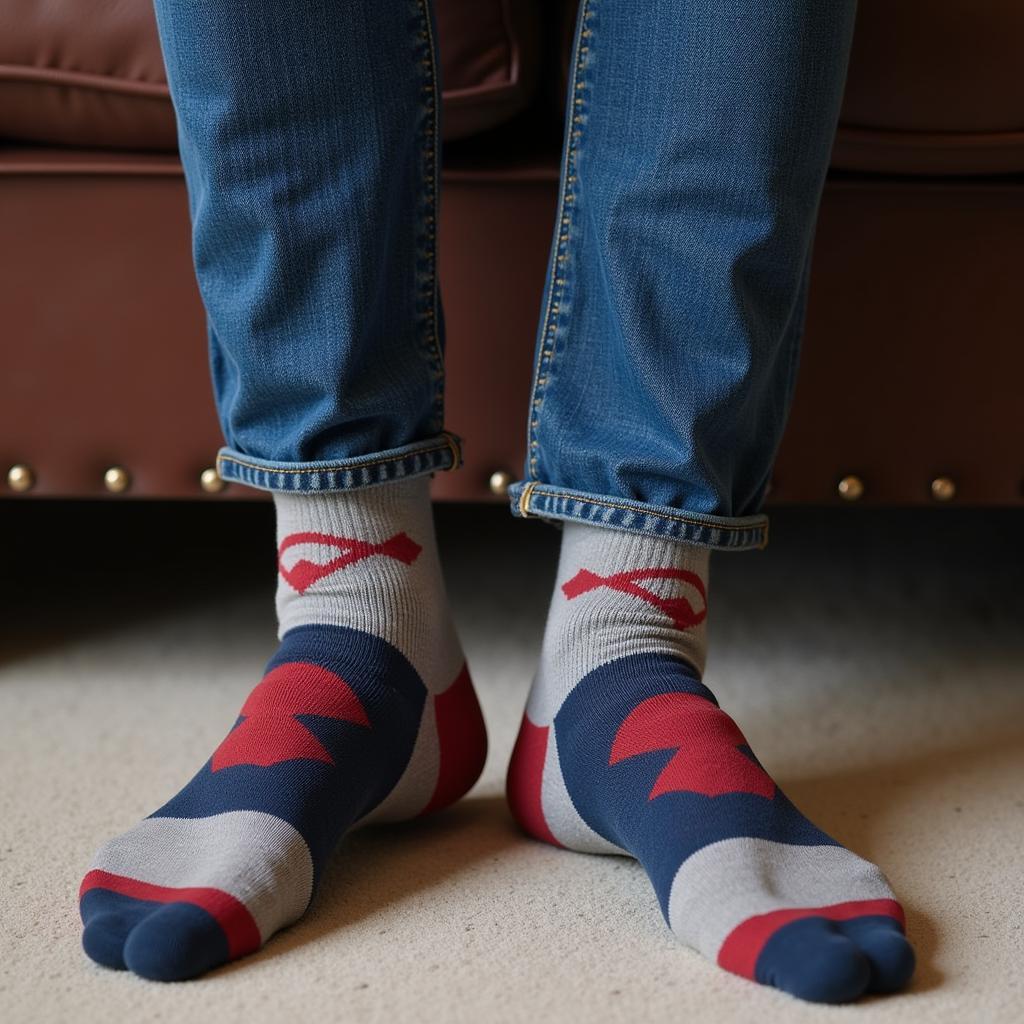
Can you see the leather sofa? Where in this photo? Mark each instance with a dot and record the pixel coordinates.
(911, 382)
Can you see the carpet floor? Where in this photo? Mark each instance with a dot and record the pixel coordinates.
(875, 661)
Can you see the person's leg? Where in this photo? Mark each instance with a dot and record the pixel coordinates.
(697, 140)
(309, 135)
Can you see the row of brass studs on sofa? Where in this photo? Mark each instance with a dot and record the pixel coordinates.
(851, 488)
(117, 480)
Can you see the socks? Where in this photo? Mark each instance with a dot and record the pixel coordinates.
(623, 750)
(366, 712)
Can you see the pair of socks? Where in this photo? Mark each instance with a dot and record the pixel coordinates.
(366, 712)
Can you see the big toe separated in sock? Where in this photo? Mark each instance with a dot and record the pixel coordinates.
(365, 712)
(623, 750)
(830, 961)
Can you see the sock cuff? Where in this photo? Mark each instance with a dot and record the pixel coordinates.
(371, 512)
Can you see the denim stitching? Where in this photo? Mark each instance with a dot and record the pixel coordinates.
(455, 449)
(627, 508)
(563, 224)
(427, 299)
(314, 479)
(524, 499)
(311, 479)
(449, 445)
(721, 534)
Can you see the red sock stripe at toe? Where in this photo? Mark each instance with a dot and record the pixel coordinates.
(744, 943)
(231, 914)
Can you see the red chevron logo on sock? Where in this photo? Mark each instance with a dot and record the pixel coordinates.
(706, 740)
(304, 573)
(678, 609)
(270, 732)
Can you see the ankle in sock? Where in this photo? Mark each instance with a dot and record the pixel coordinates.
(623, 750)
(365, 712)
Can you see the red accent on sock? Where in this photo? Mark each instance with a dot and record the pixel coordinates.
(264, 741)
(462, 742)
(678, 609)
(304, 573)
(744, 943)
(706, 741)
(525, 776)
(231, 914)
(270, 732)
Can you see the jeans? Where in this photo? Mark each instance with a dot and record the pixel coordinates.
(697, 137)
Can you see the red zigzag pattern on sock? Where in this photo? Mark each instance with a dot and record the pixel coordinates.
(679, 609)
(270, 732)
(304, 573)
(706, 740)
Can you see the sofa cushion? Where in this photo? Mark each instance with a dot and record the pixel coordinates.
(934, 87)
(92, 74)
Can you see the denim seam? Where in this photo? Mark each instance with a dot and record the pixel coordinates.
(563, 224)
(456, 450)
(427, 291)
(449, 444)
(524, 499)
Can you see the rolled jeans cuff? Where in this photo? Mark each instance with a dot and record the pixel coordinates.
(444, 451)
(529, 498)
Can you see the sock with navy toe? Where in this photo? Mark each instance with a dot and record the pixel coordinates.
(365, 712)
(623, 750)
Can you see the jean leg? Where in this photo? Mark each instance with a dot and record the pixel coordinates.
(310, 136)
(697, 138)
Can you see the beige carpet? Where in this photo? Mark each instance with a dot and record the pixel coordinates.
(874, 661)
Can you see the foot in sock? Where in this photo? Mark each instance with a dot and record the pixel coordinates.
(365, 713)
(623, 750)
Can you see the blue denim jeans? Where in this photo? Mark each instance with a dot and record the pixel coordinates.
(697, 136)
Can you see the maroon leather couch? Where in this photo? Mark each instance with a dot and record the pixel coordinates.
(910, 388)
